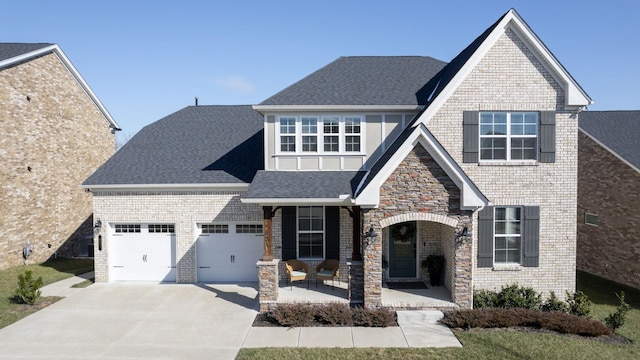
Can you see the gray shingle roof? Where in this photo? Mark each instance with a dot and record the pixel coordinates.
(363, 80)
(303, 184)
(9, 50)
(195, 145)
(617, 130)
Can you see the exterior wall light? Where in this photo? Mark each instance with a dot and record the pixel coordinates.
(370, 237)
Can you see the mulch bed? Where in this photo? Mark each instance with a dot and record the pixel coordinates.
(262, 320)
(615, 339)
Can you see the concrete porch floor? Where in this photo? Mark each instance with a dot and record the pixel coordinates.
(432, 298)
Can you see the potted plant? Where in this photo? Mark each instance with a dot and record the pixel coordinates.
(435, 266)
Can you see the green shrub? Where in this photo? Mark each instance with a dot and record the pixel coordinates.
(616, 320)
(504, 318)
(334, 314)
(294, 315)
(553, 304)
(513, 296)
(579, 304)
(28, 291)
(373, 318)
(484, 299)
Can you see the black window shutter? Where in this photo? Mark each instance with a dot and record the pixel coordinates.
(332, 232)
(547, 137)
(289, 233)
(485, 237)
(470, 136)
(531, 236)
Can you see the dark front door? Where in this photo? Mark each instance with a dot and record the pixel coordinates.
(402, 250)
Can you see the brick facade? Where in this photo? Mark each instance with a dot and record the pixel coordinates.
(608, 188)
(53, 137)
(511, 78)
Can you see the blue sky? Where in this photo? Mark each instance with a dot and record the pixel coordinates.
(148, 59)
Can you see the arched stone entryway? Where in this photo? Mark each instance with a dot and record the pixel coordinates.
(420, 191)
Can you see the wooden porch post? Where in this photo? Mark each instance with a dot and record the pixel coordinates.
(356, 255)
(268, 236)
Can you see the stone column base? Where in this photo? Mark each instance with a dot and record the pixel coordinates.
(356, 282)
(267, 283)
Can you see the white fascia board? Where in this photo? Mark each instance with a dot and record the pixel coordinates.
(168, 187)
(342, 200)
(610, 150)
(470, 196)
(575, 98)
(339, 108)
(74, 72)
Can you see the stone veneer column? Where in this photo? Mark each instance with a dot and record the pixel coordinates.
(373, 274)
(268, 283)
(356, 282)
(462, 293)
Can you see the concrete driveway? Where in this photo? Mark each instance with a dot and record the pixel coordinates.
(137, 320)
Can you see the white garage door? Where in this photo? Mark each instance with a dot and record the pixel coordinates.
(229, 252)
(142, 252)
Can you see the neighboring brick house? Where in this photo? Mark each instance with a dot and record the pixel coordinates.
(608, 195)
(412, 147)
(55, 133)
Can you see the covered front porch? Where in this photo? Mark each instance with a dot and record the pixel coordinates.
(430, 298)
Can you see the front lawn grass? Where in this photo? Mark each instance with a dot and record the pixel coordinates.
(505, 344)
(51, 271)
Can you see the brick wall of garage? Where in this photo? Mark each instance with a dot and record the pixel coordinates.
(53, 137)
(185, 209)
(608, 188)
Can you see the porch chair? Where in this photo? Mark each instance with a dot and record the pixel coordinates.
(297, 270)
(328, 270)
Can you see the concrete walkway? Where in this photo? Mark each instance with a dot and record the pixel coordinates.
(184, 321)
(64, 287)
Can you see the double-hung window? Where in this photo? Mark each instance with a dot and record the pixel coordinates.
(508, 135)
(331, 131)
(352, 134)
(288, 134)
(507, 235)
(309, 134)
(310, 232)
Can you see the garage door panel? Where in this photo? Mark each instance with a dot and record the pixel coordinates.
(228, 257)
(142, 256)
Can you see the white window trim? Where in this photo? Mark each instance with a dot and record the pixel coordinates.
(320, 135)
(507, 265)
(508, 138)
(324, 234)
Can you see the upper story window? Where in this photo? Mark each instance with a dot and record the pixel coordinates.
(320, 134)
(508, 135)
(288, 134)
(309, 134)
(352, 129)
(331, 131)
